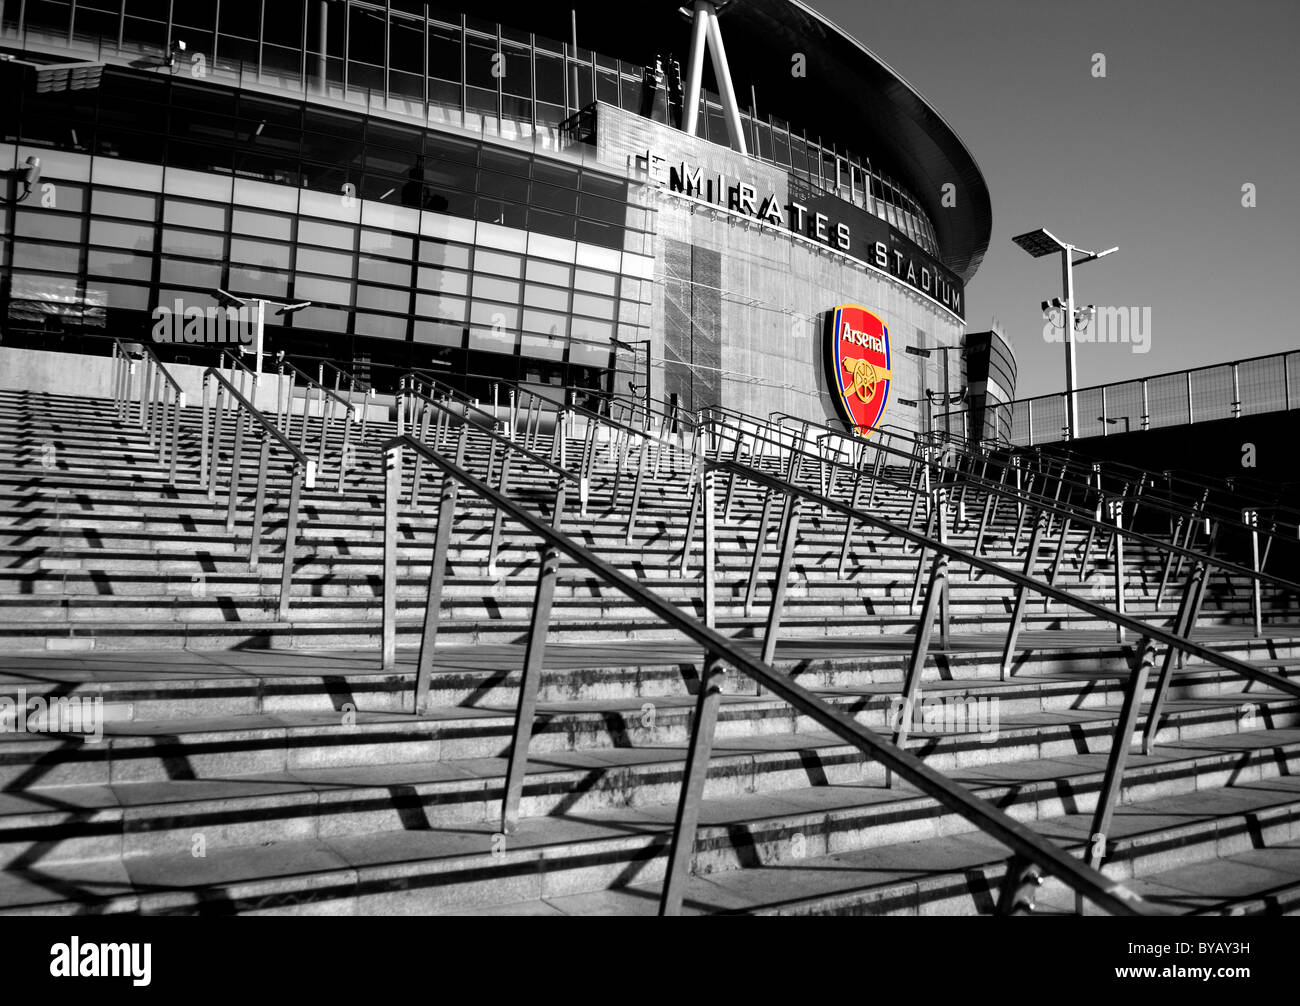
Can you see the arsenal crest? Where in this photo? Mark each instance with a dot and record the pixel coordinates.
(857, 363)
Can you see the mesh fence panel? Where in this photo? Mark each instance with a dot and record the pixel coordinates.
(1262, 385)
(1087, 411)
(1124, 405)
(1269, 384)
(1020, 432)
(1048, 418)
(1167, 400)
(1211, 394)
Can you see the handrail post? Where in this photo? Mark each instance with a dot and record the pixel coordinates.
(498, 519)
(1117, 509)
(788, 542)
(1251, 519)
(636, 489)
(1018, 607)
(529, 682)
(688, 544)
(437, 576)
(687, 818)
(1181, 627)
(392, 494)
(1143, 659)
(235, 464)
(760, 543)
(290, 540)
(259, 504)
(920, 651)
(710, 548)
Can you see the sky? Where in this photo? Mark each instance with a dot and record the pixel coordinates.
(1199, 99)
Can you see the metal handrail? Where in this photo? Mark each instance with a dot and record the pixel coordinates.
(161, 401)
(311, 382)
(1076, 515)
(1044, 506)
(1187, 512)
(303, 471)
(718, 650)
(1178, 641)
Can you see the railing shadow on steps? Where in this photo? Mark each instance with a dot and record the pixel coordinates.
(705, 498)
(939, 496)
(1030, 852)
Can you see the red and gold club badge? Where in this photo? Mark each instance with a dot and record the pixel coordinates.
(857, 363)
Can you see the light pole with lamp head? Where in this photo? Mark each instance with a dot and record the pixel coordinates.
(1042, 242)
(226, 299)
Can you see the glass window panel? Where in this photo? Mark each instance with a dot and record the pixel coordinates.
(550, 79)
(492, 288)
(554, 197)
(596, 232)
(546, 323)
(120, 204)
(480, 56)
(138, 237)
(199, 215)
(447, 308)
(378, 298)
(55, 258)
(593, 331)
(518, 77)
(599, 307)
(199, 244)
(440, 333)
(493, 340)
(380, 326)
(550, 348)
(317, 232)
(498, 263)
(443, 281)
(550, 298)
(378, 270)
(444, 53)
(540, 271)
(494, 316)
(322, 291)
(594, 282)
(119, 265)
(328, 263)
(560, 225)
(261, 254)
(118, 296)
(47, 225)
(199, 275)
(264, 225)
(383, 243)
(442, 253)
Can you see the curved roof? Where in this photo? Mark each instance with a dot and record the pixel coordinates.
(859, 102)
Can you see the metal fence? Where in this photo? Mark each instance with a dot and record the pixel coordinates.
(1221, 391)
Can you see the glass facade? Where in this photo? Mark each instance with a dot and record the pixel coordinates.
(437, 66)
(415, 248)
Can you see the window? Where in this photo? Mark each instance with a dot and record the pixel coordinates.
(497, 263)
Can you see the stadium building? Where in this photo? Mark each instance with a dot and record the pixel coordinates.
(473, 195)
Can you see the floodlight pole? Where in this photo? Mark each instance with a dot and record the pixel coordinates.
(1071, 401)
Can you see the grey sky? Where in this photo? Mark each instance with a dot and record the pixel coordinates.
(1200, 97)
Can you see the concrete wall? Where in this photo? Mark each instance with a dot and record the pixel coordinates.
(45, 372)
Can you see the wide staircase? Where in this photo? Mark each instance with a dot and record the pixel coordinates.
(725, 665)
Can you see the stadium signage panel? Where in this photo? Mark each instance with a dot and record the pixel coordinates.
(858, 365)
(817, 215)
